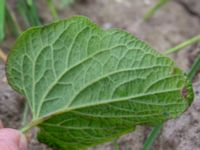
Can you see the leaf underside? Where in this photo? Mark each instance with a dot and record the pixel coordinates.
(86, 86)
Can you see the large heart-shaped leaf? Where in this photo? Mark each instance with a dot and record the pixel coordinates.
(85, 85)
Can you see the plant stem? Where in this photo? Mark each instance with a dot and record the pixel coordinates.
(31, 125)
(115, 144)
(195, 67)
(151, 137)
(52, 9)
(153, 10)
(12, 22)
(183, 45)
(21, 6)
(34, 14)
(26, 128)
(29, 13)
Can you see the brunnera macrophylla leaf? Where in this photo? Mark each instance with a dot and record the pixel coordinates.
(86, 85)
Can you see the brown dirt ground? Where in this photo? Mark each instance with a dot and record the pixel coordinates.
(175, 22)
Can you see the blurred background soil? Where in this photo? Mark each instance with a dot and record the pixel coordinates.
(175, 22)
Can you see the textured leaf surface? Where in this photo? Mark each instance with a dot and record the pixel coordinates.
(86, 85)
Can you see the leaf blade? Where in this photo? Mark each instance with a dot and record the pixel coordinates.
(79, 78)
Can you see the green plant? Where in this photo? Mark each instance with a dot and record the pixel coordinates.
(86, 86)
(153, 10)
(28, 10)
(2, 15)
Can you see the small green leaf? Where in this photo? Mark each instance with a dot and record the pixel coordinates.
(86, 86)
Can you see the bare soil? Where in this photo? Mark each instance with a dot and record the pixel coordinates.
(174, 23)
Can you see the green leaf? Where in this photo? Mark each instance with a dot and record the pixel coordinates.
(86, 86)
(2, 19)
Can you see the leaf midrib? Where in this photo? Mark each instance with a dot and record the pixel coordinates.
(40, 120)
(113, 73)
(109, 74)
